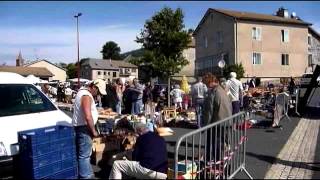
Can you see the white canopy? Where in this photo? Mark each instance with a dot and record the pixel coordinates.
(81, 80)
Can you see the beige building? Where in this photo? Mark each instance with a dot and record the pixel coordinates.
(188, 70)
(268, 46)
(59, 74)
(109, 70)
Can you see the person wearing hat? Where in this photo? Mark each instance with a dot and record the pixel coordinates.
(85, 116)
(150, 157)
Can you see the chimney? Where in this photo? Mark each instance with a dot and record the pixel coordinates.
(293, 15)
(282, 12)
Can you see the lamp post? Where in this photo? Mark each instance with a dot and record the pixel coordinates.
(78, 66)
(221, 65)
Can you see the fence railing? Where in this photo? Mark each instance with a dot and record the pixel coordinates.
(216, 151)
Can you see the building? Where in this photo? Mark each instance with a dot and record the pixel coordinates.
(41, 72)
(268, 46)
(188, 70)
(59, 73)
(109, 70)
(313, 47)
(19, 60)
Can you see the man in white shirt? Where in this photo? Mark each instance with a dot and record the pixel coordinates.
(85, 115)
(235, 92)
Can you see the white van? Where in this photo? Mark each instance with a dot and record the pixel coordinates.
(22, 107)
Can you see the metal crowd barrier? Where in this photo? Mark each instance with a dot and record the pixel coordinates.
(216, 151)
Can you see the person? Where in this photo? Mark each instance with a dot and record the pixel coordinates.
(235, 90)
(185, 101)
(68, 94)
(149, 157)
(60, 92)
(177, 94)
(137, 94)
(252, 83)
(85, 116)
(217, 107)
(147, 98)
(127, 98)
(292, 86)
(198, 92)
(119, 88)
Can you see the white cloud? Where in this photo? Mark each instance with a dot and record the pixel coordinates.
(59, 43)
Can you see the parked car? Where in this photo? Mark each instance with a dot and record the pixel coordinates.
(22, 107)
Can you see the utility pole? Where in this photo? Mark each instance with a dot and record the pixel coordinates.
(78, 66)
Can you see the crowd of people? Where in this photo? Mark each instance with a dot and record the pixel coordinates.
(213, 99)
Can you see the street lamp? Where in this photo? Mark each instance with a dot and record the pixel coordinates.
(78, 67)
(221, 64)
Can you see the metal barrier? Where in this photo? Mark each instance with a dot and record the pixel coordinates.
(216, 151)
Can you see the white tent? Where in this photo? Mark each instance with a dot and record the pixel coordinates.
(81, 80)
(33, 79)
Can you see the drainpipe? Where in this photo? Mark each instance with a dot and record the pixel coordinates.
(236, 39)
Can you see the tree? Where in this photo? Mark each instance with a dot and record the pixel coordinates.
(164, 40)
(237, 68)
(111, 50)
(71, 70)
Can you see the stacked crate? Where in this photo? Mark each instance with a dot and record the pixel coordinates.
(48, 153)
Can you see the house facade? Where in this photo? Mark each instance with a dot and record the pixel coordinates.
(268, 46)
(108, 70)
(59, 74)
(313, 47)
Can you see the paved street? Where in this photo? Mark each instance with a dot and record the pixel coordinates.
(290, 153)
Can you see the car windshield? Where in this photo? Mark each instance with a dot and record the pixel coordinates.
(22, 99)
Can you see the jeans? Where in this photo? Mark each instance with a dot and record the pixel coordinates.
(199, 108)
(133, 169)
(84, 149)
(118, 107)
(235, 107)
(136, 107)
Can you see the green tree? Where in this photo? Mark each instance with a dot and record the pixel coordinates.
(71, 70)
(111, 50)
(237, 68)
(164, 39)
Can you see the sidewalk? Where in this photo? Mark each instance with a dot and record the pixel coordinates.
(297, 157)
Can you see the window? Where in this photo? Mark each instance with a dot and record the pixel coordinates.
(284, 59)
(108, 73)
(309, 60)
(205, 41)
(134, 70)
(104, 73)
(285, 35)
(114, 74)
(256, 58)
(256, 33)
(219, 37)
(99, 72)
(309, 40)
(22, 99)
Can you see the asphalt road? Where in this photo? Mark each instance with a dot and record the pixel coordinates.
(263, 145)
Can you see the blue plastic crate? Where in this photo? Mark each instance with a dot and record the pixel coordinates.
(70, 173)
(48, 147)
(49, 170)
(48, 158)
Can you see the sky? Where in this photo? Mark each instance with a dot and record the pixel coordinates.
(47, 30)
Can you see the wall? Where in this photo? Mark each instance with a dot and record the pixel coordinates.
(208, 57)
(59, 74)
(314, 49)
(271, 47)
(105, 74)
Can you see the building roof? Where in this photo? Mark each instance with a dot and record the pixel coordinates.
(121, 63)
(107, 64)
(249, 16)
(33, 62)
(314, 32)
(25, 71)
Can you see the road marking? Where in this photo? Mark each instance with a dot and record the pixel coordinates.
(299, 150)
